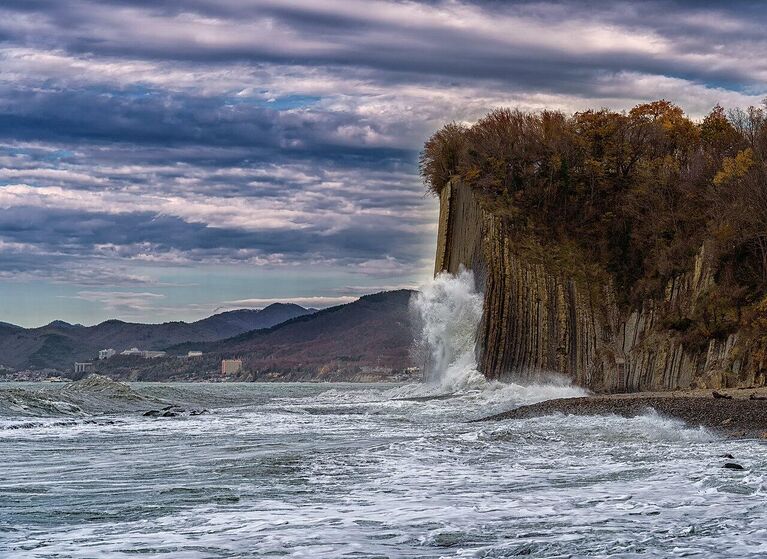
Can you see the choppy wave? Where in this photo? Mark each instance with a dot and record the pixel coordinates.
(19, 401)
(268, 480)
(648, 428)
(367, 471)
(94, 395)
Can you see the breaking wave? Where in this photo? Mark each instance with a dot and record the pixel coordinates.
(17, 401)
(448, 311)
(93, 395)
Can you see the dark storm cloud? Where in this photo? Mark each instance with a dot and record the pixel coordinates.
(72, 233)
(273, 132)
(159, 118)
(423, 40)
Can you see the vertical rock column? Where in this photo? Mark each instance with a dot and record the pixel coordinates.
(540, 319)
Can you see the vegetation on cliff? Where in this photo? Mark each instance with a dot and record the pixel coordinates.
(637, 193)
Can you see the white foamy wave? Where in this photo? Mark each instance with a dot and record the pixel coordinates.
(449, 310)
(500, 396)
(258, 479)
(491, 395)
(611, 429)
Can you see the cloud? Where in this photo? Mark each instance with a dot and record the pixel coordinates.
(122, 301)
(142, 136)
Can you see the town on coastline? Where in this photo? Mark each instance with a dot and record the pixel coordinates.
(229, 367)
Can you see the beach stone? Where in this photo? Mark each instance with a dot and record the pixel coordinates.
(719, 395)
(733, 466)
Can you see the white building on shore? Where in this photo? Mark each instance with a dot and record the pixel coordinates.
(106, 353)
(146, 354)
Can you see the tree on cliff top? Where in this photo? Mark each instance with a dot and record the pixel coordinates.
(441, 156)
(638, 192)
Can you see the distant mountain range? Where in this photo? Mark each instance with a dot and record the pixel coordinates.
(59, 344)
(346, 342)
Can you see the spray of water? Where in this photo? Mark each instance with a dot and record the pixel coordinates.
(448, 311)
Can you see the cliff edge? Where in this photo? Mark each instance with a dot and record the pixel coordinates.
(560, 297)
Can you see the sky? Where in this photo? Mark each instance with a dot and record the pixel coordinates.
(166, 159)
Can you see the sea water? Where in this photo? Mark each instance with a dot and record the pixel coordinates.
(364, 471)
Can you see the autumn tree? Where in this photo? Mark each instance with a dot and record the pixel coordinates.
(639, 193)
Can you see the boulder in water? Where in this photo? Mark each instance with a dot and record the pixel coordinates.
(152, 413)
(733, 466)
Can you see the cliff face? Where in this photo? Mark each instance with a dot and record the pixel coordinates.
(542, 315)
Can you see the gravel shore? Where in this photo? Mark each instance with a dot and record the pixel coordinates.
(738, 416)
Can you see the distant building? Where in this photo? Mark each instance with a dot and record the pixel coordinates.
(85, 368)
(106, 353)
(146, 354)
(231, 366)
(194, 354)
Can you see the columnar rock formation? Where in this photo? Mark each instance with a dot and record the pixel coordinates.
(543, 316)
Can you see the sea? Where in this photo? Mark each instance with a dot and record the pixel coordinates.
(104, 469)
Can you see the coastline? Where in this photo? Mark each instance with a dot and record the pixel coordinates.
(738, 417)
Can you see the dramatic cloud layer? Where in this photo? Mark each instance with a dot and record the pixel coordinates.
(160, 159)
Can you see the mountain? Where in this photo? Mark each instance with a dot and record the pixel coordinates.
(59, 344)
(356, 341)
(232, 323)
(61, 324)
(372, 331)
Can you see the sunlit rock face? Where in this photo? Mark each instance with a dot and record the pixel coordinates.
(544, 315)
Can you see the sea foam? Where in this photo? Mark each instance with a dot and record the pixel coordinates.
(448, 311)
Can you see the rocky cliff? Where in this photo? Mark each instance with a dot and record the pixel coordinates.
(546, 312)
